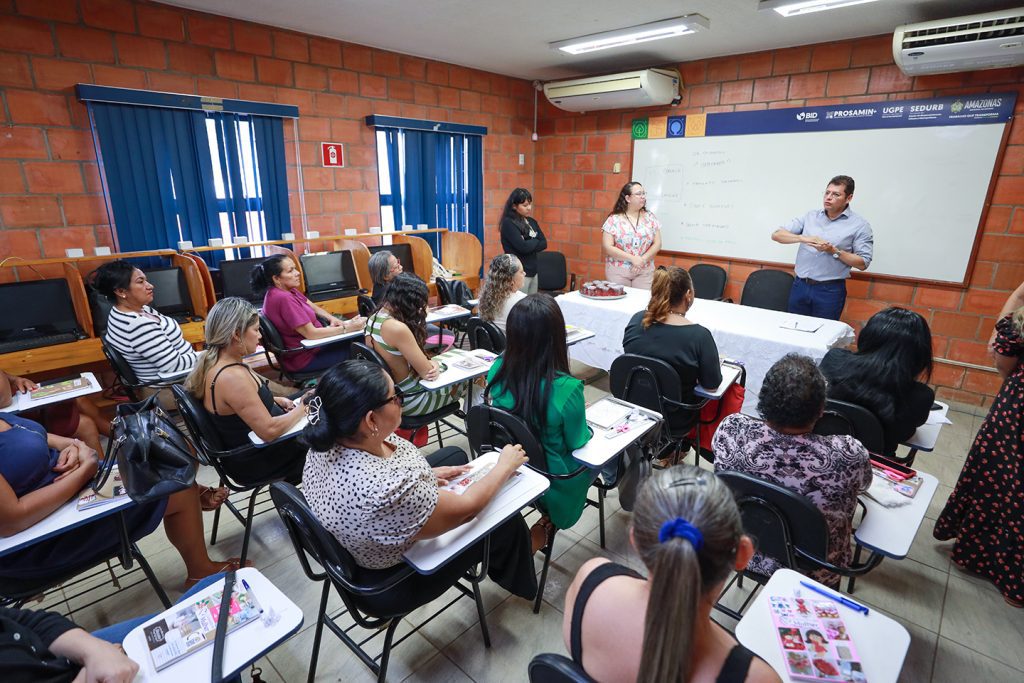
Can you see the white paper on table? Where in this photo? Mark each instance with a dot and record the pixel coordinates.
(605, 413)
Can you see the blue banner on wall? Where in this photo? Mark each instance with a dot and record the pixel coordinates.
(939, 111)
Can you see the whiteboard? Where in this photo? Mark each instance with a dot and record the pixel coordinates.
(922, 189)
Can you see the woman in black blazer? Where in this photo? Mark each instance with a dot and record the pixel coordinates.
(522, 236)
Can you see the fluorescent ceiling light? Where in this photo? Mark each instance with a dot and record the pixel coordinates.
(792, 8)
(668, 28)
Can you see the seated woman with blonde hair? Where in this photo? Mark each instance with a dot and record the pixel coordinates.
(501, 290)
(238, 400)
(688, 532)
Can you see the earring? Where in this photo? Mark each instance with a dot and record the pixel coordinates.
(374, 432)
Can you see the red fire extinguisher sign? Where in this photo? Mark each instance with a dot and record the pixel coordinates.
(332, 154)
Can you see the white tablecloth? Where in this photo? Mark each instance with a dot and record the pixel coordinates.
(750, 335)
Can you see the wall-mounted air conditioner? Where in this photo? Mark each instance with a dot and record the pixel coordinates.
(630, 90)
(981, 41)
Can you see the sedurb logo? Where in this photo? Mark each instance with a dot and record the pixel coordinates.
(850, 113)
(918, 108)
(807, 116)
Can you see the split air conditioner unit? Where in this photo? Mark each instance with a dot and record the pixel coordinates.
(630, 90)
(982, 41)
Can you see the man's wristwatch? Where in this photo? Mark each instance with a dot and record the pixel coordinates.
(836, 253)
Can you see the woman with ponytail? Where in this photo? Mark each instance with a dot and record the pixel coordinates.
(236, 398)
(688, 532)
(663, 331)
(377, 494)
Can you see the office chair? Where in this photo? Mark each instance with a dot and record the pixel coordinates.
(552, 273)
(549, 667)
(767, 288)
(708, 281)
(786, 526)
(841, 417)
(127, 377)
(483, 334)
(274, 351)
(364, 592)
(656, 385)
(491, 428)
(242, 468)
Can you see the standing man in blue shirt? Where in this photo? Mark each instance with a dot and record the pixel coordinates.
(832, 240)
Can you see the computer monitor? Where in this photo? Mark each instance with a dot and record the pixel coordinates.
(402, 252)
(236, 277)
(330, 275)
(170, 291)
(36, 308)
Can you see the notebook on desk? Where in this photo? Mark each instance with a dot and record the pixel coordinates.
(36, 314)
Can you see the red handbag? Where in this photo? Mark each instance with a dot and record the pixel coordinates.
(717, 410)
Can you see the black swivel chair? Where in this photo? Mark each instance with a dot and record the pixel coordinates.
(767, 288)
(483, 334)
(357, 587)
(552, 273)
(786, 526)
(549, 667)
(243, 468)
(362, 351)
(708, 281)
(274, 350)
(655, 385)
(491, 429)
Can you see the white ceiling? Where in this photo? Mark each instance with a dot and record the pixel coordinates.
(511, 36)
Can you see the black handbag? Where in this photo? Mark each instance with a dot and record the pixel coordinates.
(153, 457)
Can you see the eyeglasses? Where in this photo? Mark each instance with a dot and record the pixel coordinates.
(638, 194)
(834, 195)
(398, 398)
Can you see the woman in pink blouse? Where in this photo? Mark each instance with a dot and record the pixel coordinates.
(298, 318)
(631, 239)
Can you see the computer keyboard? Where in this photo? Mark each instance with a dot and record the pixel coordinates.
(36, 342)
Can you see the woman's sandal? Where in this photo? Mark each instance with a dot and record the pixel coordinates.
(234, 564)
(211, 498)
(1013, 603)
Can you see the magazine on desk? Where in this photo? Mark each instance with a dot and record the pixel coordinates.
(190, 627)
(57, 388)
(113, 489)
(815, 643)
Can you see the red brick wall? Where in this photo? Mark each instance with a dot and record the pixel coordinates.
(575, 186)
(50, 195)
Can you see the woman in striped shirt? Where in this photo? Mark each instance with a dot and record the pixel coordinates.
(397, 331)
(151, 343)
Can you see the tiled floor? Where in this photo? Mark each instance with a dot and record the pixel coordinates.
(961, 630)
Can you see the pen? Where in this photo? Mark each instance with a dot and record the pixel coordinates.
(246, 584)
(856, 606)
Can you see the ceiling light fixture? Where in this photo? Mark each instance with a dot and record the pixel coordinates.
(792, 8)
(667, 28)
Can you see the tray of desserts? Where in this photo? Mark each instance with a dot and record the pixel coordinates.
(602, 289)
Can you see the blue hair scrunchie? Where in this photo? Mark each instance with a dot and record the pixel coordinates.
(681, 528)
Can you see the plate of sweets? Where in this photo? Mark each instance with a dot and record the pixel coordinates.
(602, 289)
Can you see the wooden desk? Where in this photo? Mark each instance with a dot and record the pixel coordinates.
(83, 352)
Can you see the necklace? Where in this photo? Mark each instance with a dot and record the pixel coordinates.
(681, 315)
